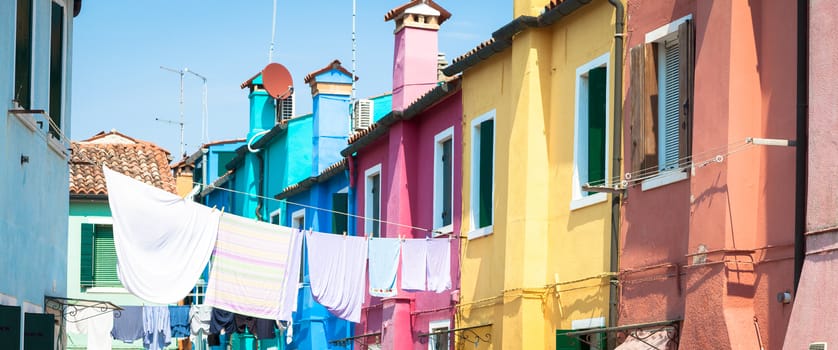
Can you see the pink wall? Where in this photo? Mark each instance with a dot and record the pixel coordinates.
(745, 59)
(405, 153)
(415, 48)
(813, 317)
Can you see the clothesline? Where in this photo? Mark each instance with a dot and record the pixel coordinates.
(318, 208)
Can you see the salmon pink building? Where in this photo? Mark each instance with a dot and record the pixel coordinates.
(405, 181)
(708, 216)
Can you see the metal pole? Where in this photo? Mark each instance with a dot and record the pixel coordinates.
(181, 73)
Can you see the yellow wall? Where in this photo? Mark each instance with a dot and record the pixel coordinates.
(507, 276)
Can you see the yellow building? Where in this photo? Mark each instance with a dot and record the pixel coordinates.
(538, 106)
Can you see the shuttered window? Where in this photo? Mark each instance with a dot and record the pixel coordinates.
(596, 125)
(23, 54)
(98, 257)
(56, 72)
(443, 167)
(447, 180)
(9, 327)
(661, 89)
(340, 204)
(486, 159)
(375, 198)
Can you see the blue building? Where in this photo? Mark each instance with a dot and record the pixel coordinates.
(35, 60)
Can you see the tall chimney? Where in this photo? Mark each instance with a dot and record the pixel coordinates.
(415, 51)
(330, 90)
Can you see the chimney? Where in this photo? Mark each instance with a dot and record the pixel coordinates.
(441, 63)
(262, 106)
(415, 58)
(330, 90)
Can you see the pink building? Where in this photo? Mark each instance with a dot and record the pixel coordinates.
(405, 171)
(708, 218)
(813, 320)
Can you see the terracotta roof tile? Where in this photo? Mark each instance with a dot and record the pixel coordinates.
(143, 161)
(474, 50)
(443, 13)
(334, 65)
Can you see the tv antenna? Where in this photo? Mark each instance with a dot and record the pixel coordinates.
(181, 123)
(204, 111)
(180, 72)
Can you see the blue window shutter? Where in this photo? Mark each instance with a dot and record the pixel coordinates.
(86, 254)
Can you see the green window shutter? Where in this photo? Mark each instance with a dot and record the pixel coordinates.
(376, 205)
(223, 159)
(487, 132)
(86, 254)
(597, 82)
(9, 327)
(447, 179)
(340, 203)
(104, 257)
(38, 331)
(564, 342)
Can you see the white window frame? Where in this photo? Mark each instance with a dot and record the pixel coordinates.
(659, 36)
(439, 139)
(275, 214)
(579, 198)
(474, 190)
(438, 324)
(296, 217)
(368, 219)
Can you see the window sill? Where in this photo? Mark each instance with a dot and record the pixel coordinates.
(444, 230)
(119, 290)
(58, 147)
(27, 117)
(588, 201)
(481, 232)
(663, 179)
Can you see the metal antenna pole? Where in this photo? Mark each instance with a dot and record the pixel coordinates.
(273, 35)
(204, 111)
(179, 72)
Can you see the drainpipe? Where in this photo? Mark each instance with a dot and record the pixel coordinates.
(802, 138)
(616, 164)
(259, 188)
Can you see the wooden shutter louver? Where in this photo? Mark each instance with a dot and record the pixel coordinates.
(686, 45)
(86, 256)
(644, 107)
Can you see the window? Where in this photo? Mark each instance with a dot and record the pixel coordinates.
(482, 173)
(340, 206)
(23, 54)
(590, 131)
(98, 256)
(372, 201)
(275, 217)
(661, 108)
(298, 219)
(224, 157)
(443, 180)
(56, 72)
(438, 341)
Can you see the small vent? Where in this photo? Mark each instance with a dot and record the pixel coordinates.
(285, 108)
(362, 114)
(817, 346)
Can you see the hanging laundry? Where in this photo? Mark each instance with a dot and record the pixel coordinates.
(163, 242)
(128, 324)
(249, 266)
(93, 323)
(221, 321)
(439, 265)
(157, 327)
(265, 329)
(199, 320)
(414, 264)
(383, 266)
(290, 284)
(179, 321)
(337, 265)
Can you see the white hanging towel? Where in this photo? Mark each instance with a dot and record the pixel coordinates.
(337, 265)
(249, 267)
(383, 266)
(291, 283)
(439, 265)
(94, 323)
(163, 242)
(414, 264)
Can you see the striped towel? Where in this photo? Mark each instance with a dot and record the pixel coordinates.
(249, 267)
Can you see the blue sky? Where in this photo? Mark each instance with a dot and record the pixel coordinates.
(120, 45)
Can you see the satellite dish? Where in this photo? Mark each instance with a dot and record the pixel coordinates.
(277, 80)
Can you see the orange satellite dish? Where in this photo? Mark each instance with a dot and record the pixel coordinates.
(277, 80)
